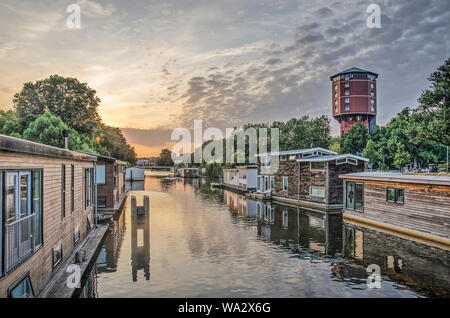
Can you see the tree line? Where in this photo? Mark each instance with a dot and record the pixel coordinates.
(43, 109)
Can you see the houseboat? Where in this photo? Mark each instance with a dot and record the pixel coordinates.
(411, 204)
(242, 178)
(308, 177)
(110, 178)
(46, 209)
(134, 174)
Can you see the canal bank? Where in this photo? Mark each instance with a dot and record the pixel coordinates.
(215, 243)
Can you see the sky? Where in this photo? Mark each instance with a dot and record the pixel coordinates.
(160, 65)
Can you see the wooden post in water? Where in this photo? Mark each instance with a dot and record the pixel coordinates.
(140, 220)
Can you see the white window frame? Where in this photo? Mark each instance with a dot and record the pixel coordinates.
(315, 195)
(311, 168)
(285, 184)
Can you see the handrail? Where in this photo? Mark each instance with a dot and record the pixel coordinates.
(20, 220)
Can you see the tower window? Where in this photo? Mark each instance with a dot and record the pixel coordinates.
(347, 92)
(335, 105)
(347, 85)
(347, 107)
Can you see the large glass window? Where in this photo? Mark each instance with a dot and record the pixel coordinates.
(355, 196)
(88, 187)
(100, 176)
(272, 182)
(37, 207)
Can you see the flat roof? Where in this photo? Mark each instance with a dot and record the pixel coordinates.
(399, 177)
(330, 158)
(248, 167)
(297, 151)
(8, 143)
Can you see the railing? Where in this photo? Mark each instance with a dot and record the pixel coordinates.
(19, 241)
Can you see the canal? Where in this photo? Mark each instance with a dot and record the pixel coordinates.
(215, 243)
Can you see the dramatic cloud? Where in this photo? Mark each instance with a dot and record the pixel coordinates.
(161, 65)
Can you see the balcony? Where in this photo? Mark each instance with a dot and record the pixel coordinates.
(19, 241)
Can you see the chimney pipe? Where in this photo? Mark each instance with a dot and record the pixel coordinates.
(66, 138)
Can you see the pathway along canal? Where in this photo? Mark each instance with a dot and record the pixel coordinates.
(214, 243)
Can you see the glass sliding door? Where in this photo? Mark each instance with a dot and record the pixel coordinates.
(350, 195)
(359, 197)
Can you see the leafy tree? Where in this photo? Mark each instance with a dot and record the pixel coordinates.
(213, 170)
(371, 153)
(74, 102)
(355, 139)
(402, 158)
(10, 124)
(165, 158)
(111, 142)
(335, 144)
(48, 129)
(435, 105)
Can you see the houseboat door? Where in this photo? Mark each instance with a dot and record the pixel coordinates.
(18, 216)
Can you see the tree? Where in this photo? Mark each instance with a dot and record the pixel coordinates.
(165, 158)
(10, 124)
(435, 104)
(355, 139)
(74, 102)
(371, 153)
(402, 158)
(111, 142)
(335, 144)
(48, 129)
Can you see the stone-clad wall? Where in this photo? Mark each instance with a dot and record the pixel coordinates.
(336, 185)
(288, 169)
(311, 178)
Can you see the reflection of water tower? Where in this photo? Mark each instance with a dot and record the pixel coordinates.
(140, 238)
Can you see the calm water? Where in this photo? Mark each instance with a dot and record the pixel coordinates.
(213, 243)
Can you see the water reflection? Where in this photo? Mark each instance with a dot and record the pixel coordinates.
(206, 242)
(140, 240)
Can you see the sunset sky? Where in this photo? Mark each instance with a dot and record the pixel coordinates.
(158, 65)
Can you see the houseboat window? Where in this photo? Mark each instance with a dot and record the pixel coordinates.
(63, 190)
(283, 157)
(101, 201)
(266, 183)
(100, 176)
(285, 219)
(355, 196)
(57, 254)
(395, 195)
(23, 289)
(72, 188)
(293, 157)
(317, 165)
(37, 207)
(258, 182)
(317, 192)
(87, 188)
(285, 184)
(272, 182)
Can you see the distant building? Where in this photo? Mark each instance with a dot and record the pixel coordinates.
(241, 178)
(354, 98)
(110, 184)
(145, 162)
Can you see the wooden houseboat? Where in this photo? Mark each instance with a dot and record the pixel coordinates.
(411, 204)
(46, 209)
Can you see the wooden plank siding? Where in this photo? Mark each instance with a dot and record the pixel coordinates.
(55, 228)
(425, 210)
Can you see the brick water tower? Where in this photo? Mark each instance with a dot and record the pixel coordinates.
(354, 98)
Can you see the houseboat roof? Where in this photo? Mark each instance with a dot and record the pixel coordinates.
(399, 177)
(111, 160)
(297, 151)
(332, 157)
(248, 167)
(231, 169)
(8, 143)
